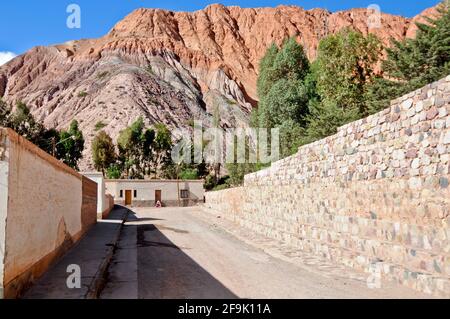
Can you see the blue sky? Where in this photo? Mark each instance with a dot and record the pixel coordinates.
(27, 23)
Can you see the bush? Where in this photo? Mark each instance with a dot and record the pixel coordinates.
(82, 94)
(221, 187)
(189, 174)
(101, 75)
(210, 182)
(114, 172)
(99, 126)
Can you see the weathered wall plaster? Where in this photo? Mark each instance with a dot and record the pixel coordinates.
(49, 207)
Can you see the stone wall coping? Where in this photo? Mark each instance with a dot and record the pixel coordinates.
(348, 129)
(154, 181)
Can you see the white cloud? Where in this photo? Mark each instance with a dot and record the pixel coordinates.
(6, 56)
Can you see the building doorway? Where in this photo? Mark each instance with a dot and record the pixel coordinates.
(127, 197)
(158, 197)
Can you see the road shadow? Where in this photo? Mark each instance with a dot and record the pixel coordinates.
(165, 271)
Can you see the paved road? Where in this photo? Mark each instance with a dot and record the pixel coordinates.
(177, 253)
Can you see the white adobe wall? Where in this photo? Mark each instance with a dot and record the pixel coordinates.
(4, 167)
(146, 189)
(45, 208)
(101, 188)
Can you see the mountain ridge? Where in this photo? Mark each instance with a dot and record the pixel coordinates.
(171, 67)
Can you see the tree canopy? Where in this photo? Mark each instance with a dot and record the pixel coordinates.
(103, 152)
(70, 145)
(283, 92)
(413, 63)
(67, 146)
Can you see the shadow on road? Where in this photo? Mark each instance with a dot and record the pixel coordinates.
(164, 270)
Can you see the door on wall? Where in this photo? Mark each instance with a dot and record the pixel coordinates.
(127, 197)
(158, 196)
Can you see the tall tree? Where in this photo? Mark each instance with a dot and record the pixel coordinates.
(130, 149)
(147, 140)
(71, 145)
(345, 67)
(23, 122)
(266, 77)
(283, 93)
(66, 146)
(103, 152)
(413, 63)
(237, 171)
(162, 147)
(342, 75)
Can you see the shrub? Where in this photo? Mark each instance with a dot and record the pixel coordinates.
(82, 94)
(99, 125)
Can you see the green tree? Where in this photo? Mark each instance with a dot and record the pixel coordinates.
(413, 63)
(290, 62)
(283, 93)
(99, 125)
(130, 144)
(143, 151)
(147, 140)
(71, 145)
(189, 174)
(67, 146)
(381, 91)
(326, 116)
(162, 146)
(48, 140)
(23, 122)
(345, 67)
(342, 76)
(237, 171)
(103, 153)
(266, 77)
(113, 171)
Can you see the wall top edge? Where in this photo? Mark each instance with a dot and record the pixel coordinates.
(22, 142)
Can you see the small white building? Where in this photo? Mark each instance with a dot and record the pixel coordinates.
(146, 193)
(104, 201)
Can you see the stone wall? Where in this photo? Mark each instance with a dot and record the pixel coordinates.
(45, 207)
(375, 196)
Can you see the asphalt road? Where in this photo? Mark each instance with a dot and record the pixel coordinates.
(175, 253)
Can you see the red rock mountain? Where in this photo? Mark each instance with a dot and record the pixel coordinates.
(171, 67)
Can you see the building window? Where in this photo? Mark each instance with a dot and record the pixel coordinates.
(184, 193)
(121, 194)
(135, 194)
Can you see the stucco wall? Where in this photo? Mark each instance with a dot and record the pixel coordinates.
(4, 167)
(375, 196)
(49, 207)
(146, 191)
(105, 202)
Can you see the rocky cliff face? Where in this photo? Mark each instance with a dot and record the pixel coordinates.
(170, 67)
